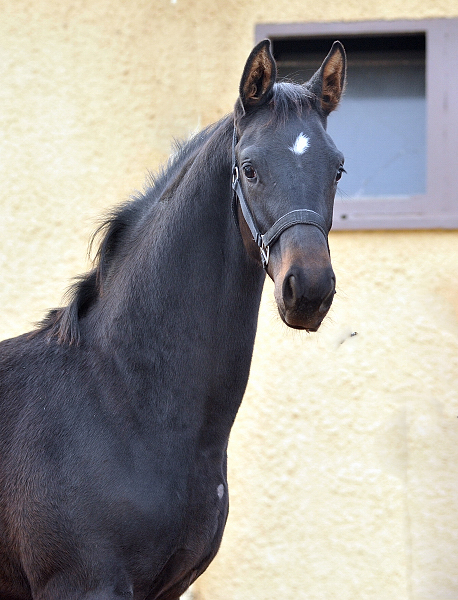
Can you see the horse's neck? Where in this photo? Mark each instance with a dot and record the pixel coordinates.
(187, 303)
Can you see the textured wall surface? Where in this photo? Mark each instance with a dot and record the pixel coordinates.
(343, 460)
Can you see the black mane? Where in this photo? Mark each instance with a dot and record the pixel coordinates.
(63, 323)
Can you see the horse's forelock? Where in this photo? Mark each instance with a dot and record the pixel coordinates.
(290, 98)
(287, 99)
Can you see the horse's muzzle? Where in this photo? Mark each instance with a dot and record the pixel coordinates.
(305, 295)
(305, 285)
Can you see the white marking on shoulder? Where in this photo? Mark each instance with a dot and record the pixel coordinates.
(220, 491)
(300, 145)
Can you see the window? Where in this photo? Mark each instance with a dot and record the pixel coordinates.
(398, 122)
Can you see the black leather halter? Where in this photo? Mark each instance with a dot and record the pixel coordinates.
(294, 217)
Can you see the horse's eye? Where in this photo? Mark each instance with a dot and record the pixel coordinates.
(340, 171)
(249, 172)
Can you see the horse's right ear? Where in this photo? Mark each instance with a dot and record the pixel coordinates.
(258, 77)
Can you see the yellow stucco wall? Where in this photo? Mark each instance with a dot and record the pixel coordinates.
(344, 457)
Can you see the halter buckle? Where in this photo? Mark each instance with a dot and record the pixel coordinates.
(265, 254)
(235, 175)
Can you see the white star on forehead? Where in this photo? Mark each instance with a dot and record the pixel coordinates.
(300, 145)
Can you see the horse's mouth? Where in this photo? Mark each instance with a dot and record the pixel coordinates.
(307, 329)
(295, 320)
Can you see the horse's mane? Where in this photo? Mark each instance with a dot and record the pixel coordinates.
(64, 323)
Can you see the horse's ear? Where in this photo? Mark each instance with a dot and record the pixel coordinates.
(258, 77)
(328, 83)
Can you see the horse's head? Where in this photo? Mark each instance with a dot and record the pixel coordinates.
(285, 172)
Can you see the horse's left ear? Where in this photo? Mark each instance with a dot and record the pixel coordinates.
(328, 83)
(258, 77)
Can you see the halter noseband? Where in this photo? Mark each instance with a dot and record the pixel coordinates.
(294, 217)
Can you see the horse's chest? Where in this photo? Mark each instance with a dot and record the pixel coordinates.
(177, 517)
(161, 522)
(171, 541)
(151, 521)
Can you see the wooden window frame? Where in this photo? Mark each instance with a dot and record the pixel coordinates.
(437, 208)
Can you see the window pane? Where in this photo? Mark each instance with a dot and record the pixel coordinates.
(381, 129)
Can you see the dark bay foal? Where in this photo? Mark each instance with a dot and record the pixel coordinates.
(116, 411)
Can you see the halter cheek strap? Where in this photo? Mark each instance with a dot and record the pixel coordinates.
(264, 241)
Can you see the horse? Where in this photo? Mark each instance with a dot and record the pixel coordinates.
(117, 408)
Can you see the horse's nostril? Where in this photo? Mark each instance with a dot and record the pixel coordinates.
(289, 292)
(324, 306)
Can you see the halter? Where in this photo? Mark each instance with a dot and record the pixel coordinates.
(266, 240)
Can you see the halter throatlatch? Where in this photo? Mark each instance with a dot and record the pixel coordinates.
(264, 241)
